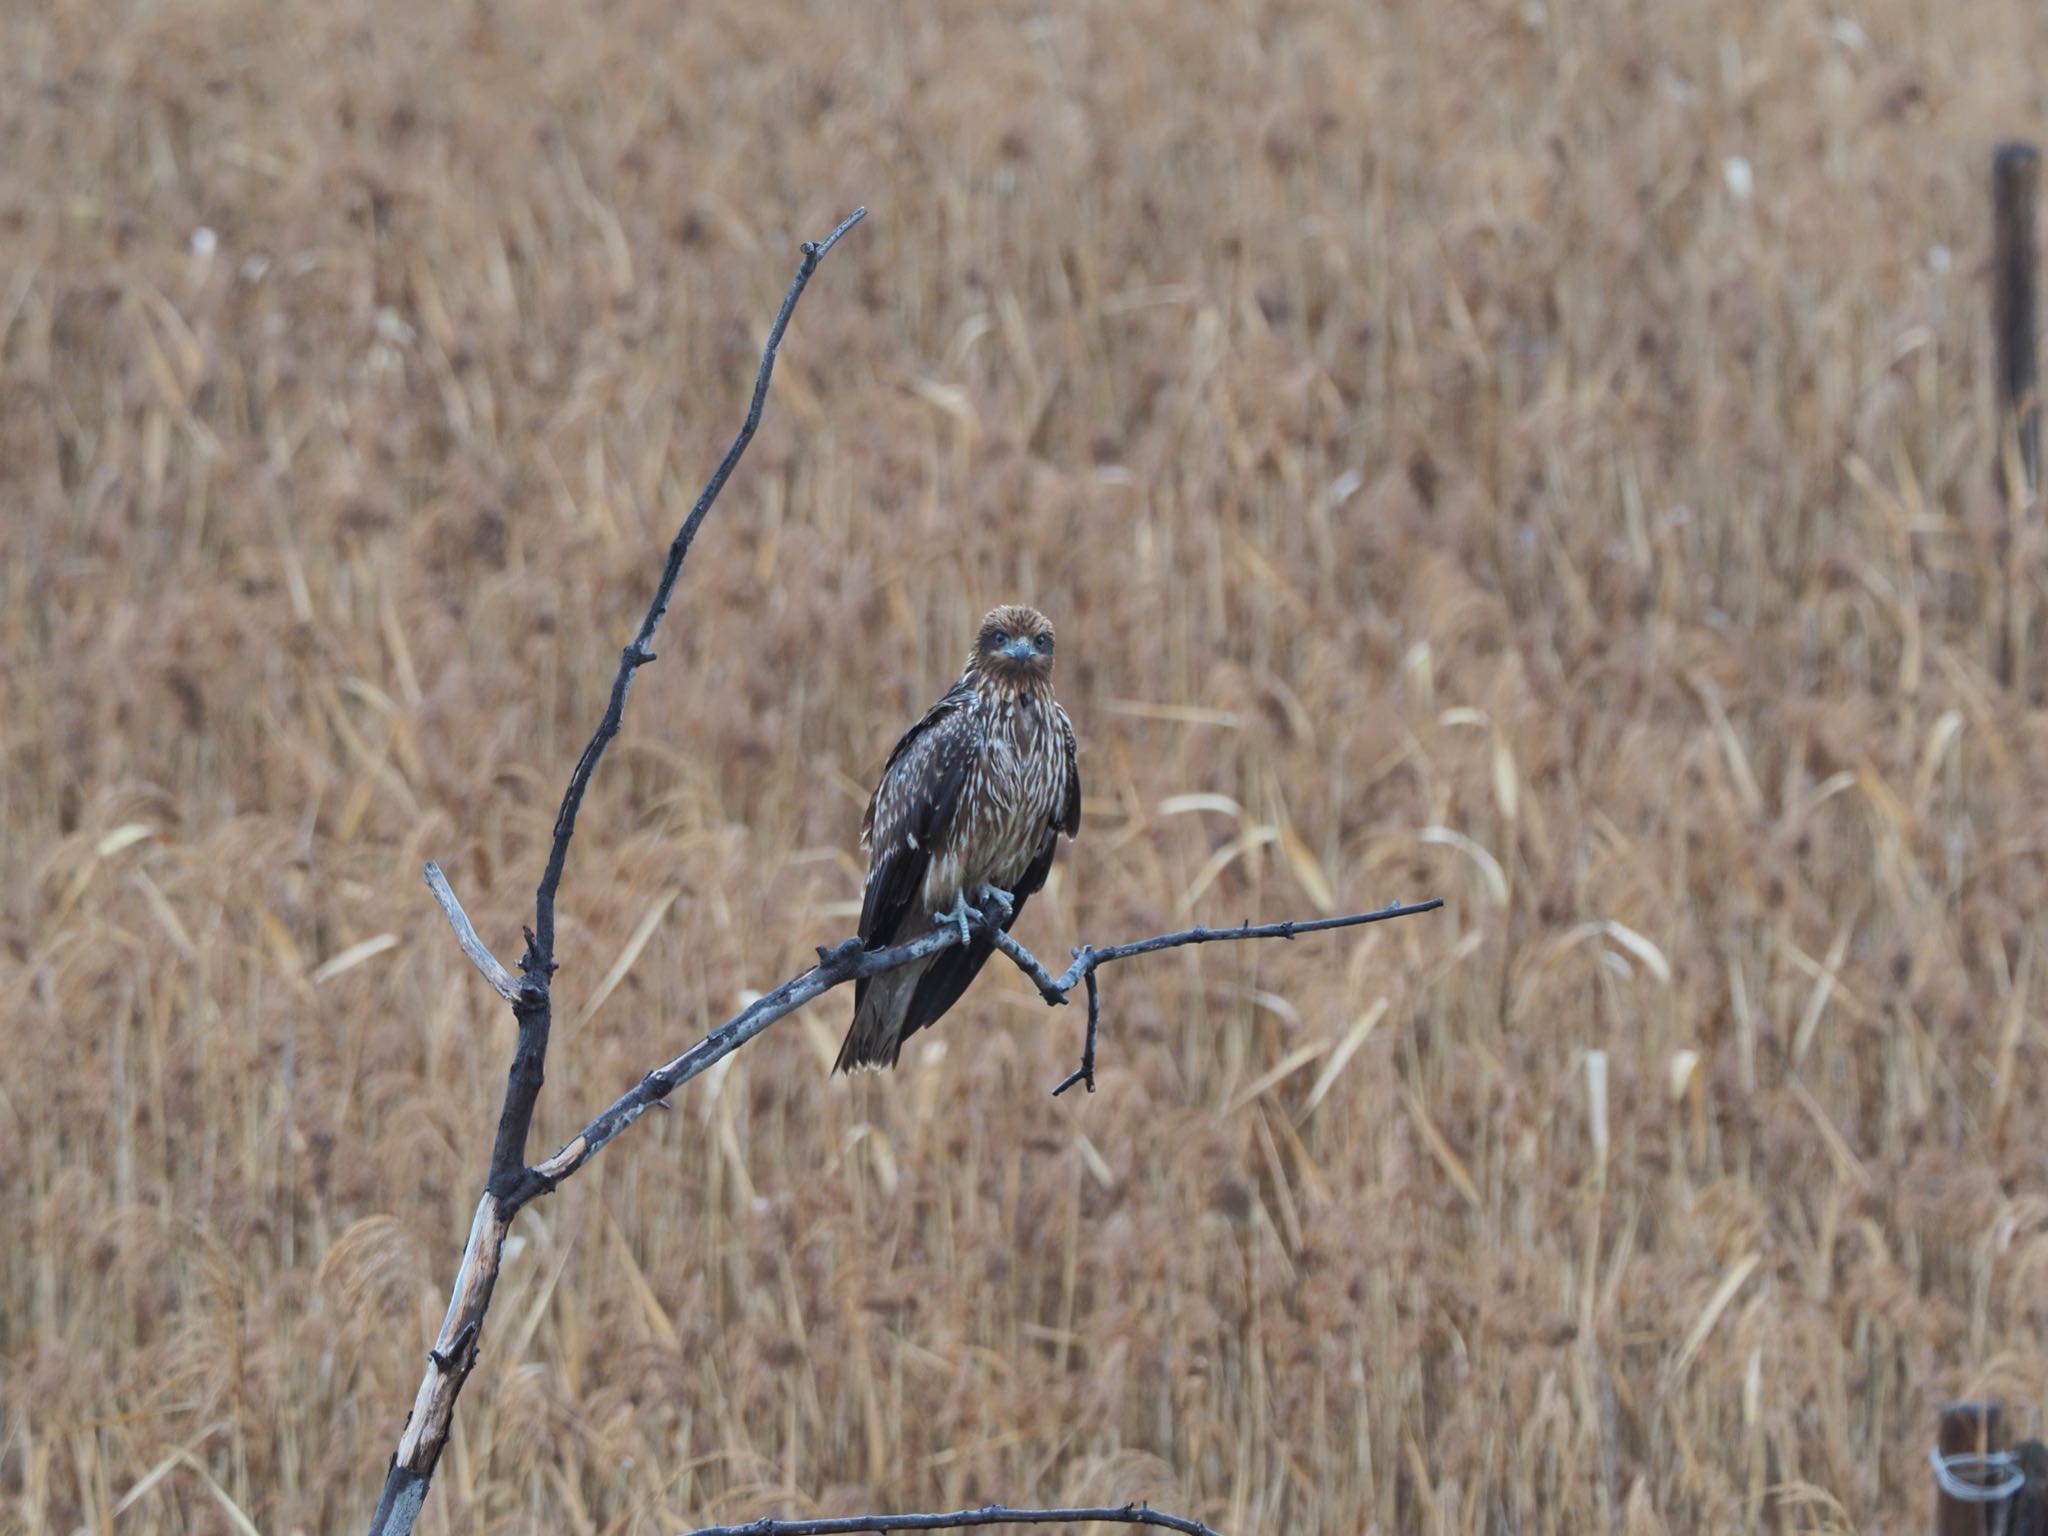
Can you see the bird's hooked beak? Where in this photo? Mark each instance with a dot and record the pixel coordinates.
(1021, 649)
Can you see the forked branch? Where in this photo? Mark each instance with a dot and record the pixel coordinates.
(454, 1351)
(537, 965)
(1087, 960)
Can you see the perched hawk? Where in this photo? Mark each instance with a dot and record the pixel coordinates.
(971, 804)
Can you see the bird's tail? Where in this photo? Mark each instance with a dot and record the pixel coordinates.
(876, 1038)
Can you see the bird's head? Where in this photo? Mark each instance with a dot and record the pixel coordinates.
(1014, 647)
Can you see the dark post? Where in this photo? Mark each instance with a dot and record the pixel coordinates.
(2030, 1508)
(1974, 1432)
(2015, 169)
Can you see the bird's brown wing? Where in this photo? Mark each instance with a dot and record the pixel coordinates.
(1069, 819)
(952, 970)
(912, 809)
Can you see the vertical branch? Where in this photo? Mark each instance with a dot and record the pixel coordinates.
(541, 950)
(510, 1182)
(449, 1363)
(509, 1175)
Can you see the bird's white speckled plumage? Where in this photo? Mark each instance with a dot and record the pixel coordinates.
(1012, 793)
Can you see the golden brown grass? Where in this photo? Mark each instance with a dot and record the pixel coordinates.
(1444, 481)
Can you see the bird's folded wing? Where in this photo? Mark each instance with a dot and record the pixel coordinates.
(1069, 818)
(912, 810)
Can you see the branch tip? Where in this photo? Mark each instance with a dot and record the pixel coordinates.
(502, 981)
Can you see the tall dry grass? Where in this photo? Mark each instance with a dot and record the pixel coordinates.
(1445, 479)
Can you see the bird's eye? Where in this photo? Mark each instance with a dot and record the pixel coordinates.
(1045, 642)
(1002, 637)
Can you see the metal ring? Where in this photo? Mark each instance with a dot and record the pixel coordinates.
(1951, 1472)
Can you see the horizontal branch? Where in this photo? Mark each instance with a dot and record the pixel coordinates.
(959, 1519)
(848, 961)
(844, 962)
(1086, 959)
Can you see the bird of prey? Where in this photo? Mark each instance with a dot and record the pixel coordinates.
(969, 809)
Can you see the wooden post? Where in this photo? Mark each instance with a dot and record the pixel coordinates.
(2030, 1509)
(2015, 171)
(1969, 1429)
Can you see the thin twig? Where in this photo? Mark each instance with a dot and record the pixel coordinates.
(1088, 959)
(1085, 1073)
(988, 1514)
(502, 981)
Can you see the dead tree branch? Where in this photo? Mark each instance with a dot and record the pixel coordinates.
(502, 981)
(454, 1351)
(959, 1519)
(509, 1173)
(1054, 989)
(847, 961)
(511, 1183)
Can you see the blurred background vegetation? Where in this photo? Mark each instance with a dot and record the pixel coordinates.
(1537, 454)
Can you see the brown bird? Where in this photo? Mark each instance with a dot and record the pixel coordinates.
(970, 807)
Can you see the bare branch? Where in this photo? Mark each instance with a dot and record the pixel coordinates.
(449, 1361)
(1088, 959)
(847, 961)
(836, 966)
(1054, 989)
(537, 965)
(502, 981)
(511, 1183)
(989, 1514)
(541, 952)
(1085, 1073)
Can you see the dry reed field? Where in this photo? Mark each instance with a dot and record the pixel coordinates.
(1534, 454)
